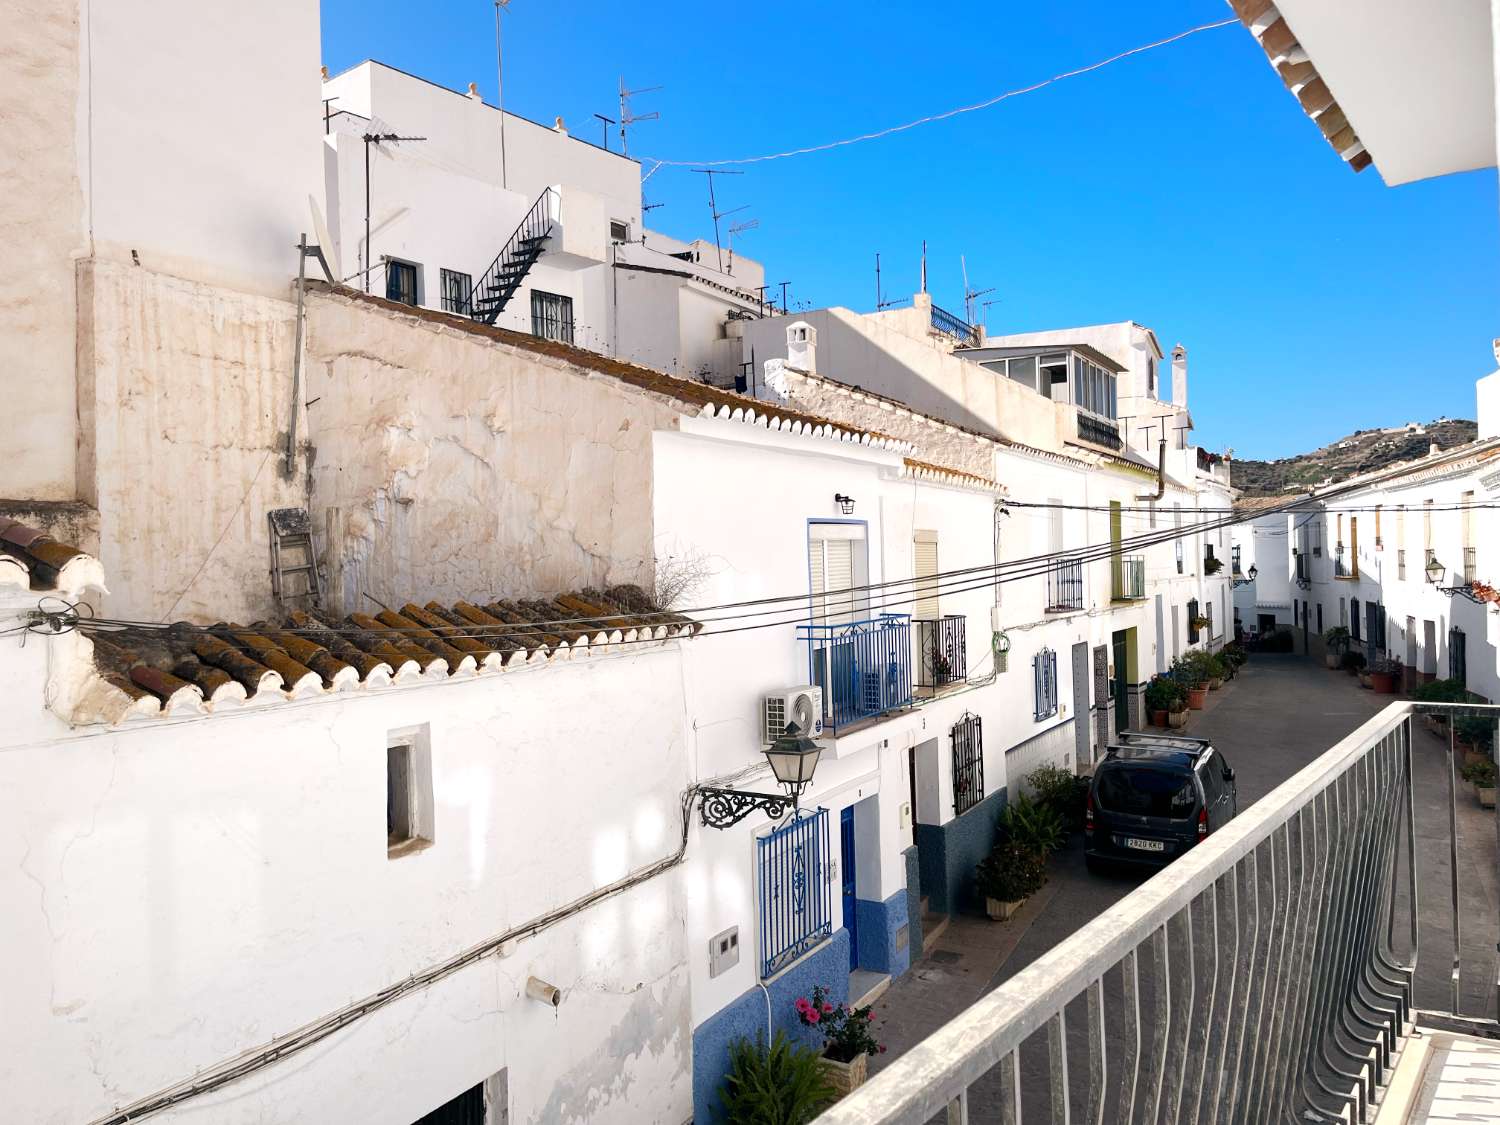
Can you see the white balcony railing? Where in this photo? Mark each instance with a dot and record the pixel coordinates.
(1267, 976)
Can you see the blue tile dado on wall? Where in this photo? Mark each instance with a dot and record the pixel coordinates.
(884, 941)
(948, 854)
(750, 1013)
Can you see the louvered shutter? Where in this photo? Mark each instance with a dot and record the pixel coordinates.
(925, 570)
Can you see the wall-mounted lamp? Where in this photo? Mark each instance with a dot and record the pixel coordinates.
(793, 759)
(1435, 571)
(1245, 581)
(845, 503)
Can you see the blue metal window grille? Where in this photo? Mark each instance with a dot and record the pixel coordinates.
(863, 667)
(1044, 674)
(968, 763)
(1065, 585)
(796, 910)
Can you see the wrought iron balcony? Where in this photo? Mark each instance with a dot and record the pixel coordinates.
(955, 326)
(942, 657)
(1272, 974)
(1341, 567)
(1065, 586)
(863, 667)
(1100, 431)
(1127, 578)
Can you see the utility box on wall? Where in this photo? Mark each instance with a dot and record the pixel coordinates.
(723, 951)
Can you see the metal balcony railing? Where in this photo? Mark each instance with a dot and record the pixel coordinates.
(955, 326)
(863, 667)
(1065, 586)
(1341, 567)
(942, 651)
(1100, 431)
(1128, 578)
(1269, 975)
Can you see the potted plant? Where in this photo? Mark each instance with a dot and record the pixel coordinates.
(1164, 695)
(1384, 675)
(1476, 735)
(942, 667)
(1212, 565)
(1352, 662)
(848, 1038)
(1215, 669)
(1336, 642)
(1233, 656)
(1061, 791)
(784, 1084)
(1189, 671)
(1201, 622)
(1007, 877)
(1481, 774)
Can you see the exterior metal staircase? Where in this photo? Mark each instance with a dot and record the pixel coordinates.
(494, 290)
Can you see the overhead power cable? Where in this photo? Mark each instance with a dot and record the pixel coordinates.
(944, 115)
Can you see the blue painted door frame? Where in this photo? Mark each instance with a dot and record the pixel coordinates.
(846, 868)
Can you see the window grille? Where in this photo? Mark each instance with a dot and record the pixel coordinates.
(1044, 675)
(968, 763)
(457, 288)
(551, 316)
(796, 911)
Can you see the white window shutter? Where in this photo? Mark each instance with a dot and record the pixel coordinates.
(925, 570)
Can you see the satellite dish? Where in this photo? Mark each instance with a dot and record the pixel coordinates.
(328, 255)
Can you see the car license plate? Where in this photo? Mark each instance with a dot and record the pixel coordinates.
(1145, 845)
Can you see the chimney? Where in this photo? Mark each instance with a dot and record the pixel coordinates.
(560, 127)
(1179, 376)
(1487, 402)
(802, 346)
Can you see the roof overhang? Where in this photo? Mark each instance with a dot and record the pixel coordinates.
(1410, 86)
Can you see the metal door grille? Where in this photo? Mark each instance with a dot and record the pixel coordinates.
(795, 908)
(968, 763)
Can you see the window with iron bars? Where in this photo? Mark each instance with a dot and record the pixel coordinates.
(457, 287)
(796, 910)
(1471, 565)
(551, 316)
(1044, 677)
(968, 763)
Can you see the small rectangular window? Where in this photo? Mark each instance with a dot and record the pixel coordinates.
(551, 316)
(456, 289)
(618, 231)
(408, 791)
(401, 282)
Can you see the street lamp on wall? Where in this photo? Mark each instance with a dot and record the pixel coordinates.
(845, 503)
(793, 759)
(1435, 571)
(1245, 581)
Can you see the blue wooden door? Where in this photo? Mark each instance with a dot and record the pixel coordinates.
(846, 866)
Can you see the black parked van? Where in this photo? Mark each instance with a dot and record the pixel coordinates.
(1153, 797)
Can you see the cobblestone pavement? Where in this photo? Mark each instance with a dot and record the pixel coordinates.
(1277, 716)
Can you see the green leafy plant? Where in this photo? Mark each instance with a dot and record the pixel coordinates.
(1336, 638)
(847, 1032)
(784, 1084)
(1163, 693)
(1385, 666)
(1234, 656)
(1441, 691)
(1009, 873)
(1033, 827)
(1212, 565)
(1480, 774)
(1352, 661)
(1477, 731)
(1215, 667)
(1060, 791)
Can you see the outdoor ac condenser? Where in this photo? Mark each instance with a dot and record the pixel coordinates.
(802, 705)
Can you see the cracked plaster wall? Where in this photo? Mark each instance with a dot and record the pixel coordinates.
(184, 396)
(452, 466)
(181, 892)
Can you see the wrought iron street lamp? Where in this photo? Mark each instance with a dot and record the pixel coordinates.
(793, 759)
(1247, 579)
(1436, 570)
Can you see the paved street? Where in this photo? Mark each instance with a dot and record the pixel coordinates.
(1277, 716)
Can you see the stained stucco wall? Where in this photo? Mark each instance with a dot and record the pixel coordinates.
(42, 226)
(183, 891)
(184, 394)
(449, 465)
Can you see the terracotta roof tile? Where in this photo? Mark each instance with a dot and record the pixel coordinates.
(186, 669)
(33, 559)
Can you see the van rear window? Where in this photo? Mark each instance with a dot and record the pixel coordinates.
(1141, 791)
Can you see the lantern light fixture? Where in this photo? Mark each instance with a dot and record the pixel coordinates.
(793, 758)
(845, 503)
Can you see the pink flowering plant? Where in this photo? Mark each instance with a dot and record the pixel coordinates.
(847, 1032)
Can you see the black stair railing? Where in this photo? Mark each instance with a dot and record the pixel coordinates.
(493, 291)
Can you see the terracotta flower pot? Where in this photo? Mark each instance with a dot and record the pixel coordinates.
(1486, 797)
(847, 1076)
(1158, 718)
(1332, 660)
(1216, 683)
(1197, 696)
(1383, 682)
(1177, 719)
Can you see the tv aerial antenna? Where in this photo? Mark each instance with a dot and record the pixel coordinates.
(713, 206)
(971, 295)
(627, 118)
(740, 228)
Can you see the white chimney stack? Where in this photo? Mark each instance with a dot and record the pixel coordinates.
(1487, 401)
(802, 346)
(1179, 376)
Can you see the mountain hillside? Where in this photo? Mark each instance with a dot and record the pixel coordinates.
(1362, 451)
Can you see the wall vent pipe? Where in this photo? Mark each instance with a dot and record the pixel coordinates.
(1161, 473)
(539, 989)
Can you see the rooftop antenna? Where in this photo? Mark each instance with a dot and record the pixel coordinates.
(373, 138)
(740, 228)
(713, 206)
(924, 265)
(984, 314)
(970, 295)
(500, 86)
(650, 206)
(607, 121)
(628, 119)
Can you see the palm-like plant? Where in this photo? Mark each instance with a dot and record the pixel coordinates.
(784, 1084)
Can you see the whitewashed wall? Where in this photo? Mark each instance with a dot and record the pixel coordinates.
(183, 891)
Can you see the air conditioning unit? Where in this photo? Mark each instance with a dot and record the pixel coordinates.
(801, 705)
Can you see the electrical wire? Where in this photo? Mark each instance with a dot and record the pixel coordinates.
(945, 114)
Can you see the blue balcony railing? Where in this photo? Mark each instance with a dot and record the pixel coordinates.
(955, 326)
(1065, 586)
(863, 667)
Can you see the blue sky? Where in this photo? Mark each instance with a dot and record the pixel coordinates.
(1182, 188)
